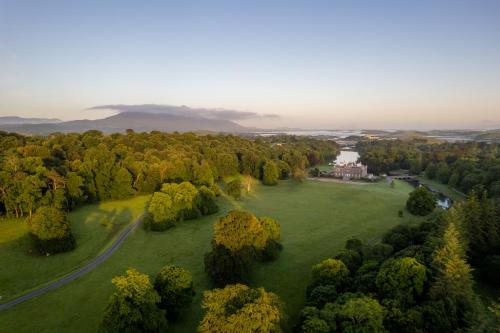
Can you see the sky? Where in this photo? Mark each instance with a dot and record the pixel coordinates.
(311, 64)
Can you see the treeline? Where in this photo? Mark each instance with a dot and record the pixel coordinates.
(65, 170)
(62, 171)
(418, 279)
(464, 166)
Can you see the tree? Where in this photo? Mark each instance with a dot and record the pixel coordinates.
(121, 186)
(453, 285)
(238, 230)
(133, 307)
(239, 239)
(240, 309)
(203, 174)
(233, 188)
(225, 267)
(161, 213)
(175, 287)
(421, 202)
(402, 279)
(360, 315)
(206, 202)
(431, 170)
(51, 230)
(350, 258)
(185, 200)
(330, 272)
(270, 173)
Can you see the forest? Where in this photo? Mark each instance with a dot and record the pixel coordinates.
(464, 166)
(420, 276)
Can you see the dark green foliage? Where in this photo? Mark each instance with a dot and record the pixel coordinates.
(240, 239)
(175, 288)
(321, 295)
(331, 272)
(380, 251)
(402, 279)
(354, 244)
(207, 204)
(349, 313)
(270, 173)
(133, 307)
(464, 166)
(402, 320)
(271, 251)
(398, 237)
(121, 186)
(150, 224)
(65, 170)
(56, 245)
(490, 269)
(233, 188)
(366, 276)
(225, 267)
(350, 258)
(51, 231)
(421, 202)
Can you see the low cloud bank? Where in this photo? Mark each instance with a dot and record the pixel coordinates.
(185, 111)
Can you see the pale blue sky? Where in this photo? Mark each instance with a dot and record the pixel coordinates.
(327, 64)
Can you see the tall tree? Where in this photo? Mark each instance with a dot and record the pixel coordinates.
(121, 187)
(240, 309)
(133, 306)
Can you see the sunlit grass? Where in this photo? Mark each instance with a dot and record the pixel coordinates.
(316, 219)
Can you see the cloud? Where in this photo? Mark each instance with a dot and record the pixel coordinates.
(185, 111)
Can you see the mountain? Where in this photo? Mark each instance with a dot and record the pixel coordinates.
(138, 121)
(14, 120)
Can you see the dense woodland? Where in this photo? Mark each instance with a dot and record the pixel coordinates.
(419, 278)
(42, 178)
(464, 166)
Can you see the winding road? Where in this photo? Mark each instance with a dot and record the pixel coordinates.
(76, 274)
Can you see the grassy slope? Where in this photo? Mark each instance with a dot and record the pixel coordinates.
(444, 188)
(316, 218)
(91, 238)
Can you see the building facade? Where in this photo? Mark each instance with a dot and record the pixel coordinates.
(350, 171)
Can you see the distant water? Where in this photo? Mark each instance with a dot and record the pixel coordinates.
(333, 133)
(347, 156)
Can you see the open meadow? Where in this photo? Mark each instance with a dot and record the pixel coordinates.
(316, 219)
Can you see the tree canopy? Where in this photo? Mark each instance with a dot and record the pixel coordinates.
(241, 309)
(133, 306)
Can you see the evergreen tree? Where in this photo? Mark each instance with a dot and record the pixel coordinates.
(453, 283)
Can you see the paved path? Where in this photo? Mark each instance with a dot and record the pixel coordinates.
(76, 274)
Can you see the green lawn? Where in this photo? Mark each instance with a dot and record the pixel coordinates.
(455, 195)
(22, 270)
(316, 218)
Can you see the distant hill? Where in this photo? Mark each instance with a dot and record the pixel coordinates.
(14, 120)
(138, 121)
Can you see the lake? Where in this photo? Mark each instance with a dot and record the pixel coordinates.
(347, 156)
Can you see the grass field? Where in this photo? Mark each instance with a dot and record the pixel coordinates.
(455, 195)
(22, 270)
(316, 218)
